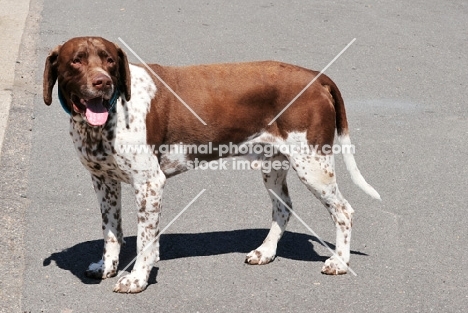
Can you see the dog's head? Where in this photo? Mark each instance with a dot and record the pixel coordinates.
(90, 72)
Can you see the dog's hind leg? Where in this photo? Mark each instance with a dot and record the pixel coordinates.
(317, 172)
(274, 180)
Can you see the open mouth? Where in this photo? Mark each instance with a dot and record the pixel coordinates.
(95, 110)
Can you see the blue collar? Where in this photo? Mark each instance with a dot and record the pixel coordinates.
(112, 100)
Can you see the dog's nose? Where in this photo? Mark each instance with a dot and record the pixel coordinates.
(101, 81)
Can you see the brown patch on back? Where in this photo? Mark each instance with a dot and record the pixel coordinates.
(239, 100)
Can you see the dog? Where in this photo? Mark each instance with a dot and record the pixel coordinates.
(114, 104)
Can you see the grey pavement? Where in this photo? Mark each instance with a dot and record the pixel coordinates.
(404, 83)
(12, 23)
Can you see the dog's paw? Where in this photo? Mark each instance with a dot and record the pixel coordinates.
(99, 271)
(130, 283)
(334, 266)
(259, 257)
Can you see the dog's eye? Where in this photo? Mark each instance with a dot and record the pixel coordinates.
(76, 61)
(110, 60)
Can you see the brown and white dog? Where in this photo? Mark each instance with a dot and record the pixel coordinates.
(114, 104)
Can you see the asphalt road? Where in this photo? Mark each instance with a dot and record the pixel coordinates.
(404, 83)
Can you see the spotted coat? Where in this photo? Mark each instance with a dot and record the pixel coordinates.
(236, 100)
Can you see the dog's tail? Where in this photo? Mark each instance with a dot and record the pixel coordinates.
(350, 162)
(345, 142)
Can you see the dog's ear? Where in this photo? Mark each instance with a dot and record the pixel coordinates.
(124, 73)
(50, 75)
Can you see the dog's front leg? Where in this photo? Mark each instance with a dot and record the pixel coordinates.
(148, 198)
(109, 197)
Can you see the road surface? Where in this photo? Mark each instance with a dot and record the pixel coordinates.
(404, 83)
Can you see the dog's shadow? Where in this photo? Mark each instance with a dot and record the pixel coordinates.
(292, 245)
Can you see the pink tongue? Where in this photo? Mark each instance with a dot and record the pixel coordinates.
(96, 113)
